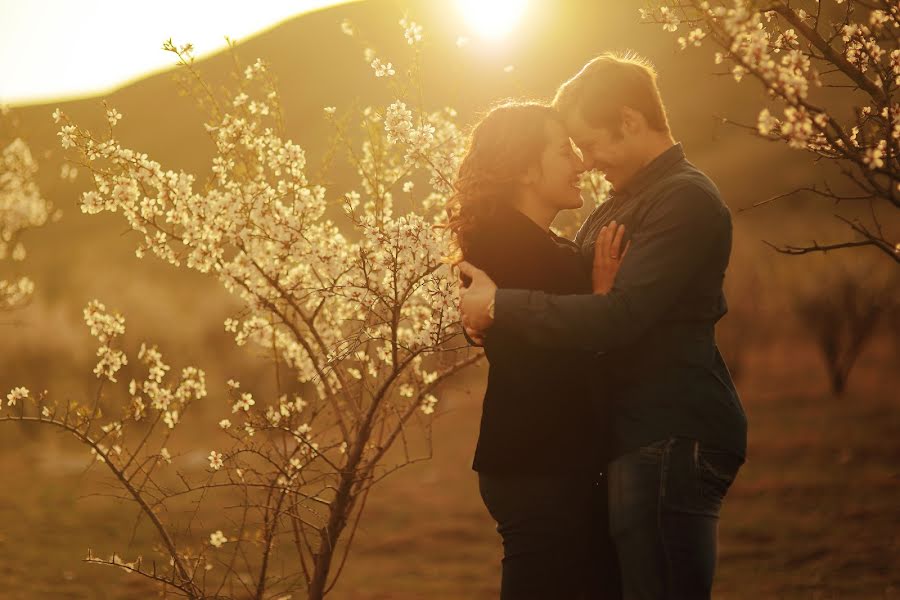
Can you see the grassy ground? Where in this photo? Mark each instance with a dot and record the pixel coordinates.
(815, 512)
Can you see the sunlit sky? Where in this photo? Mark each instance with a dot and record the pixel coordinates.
(60, 48)
(52, 49)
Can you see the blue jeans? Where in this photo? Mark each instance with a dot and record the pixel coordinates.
(664, 502)
(556, 543)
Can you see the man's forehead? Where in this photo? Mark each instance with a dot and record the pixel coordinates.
(577, 128)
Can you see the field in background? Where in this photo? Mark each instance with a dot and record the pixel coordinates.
(814, 513)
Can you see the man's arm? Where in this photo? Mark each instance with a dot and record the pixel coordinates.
(675, 241)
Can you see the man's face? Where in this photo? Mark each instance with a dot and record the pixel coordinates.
(608, 152)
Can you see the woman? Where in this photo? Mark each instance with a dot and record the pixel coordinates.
(540, 447)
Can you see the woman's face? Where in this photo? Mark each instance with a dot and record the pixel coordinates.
(557, 177)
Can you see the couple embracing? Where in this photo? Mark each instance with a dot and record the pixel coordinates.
(611, 429)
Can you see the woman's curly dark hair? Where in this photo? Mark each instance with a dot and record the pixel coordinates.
(507, 141)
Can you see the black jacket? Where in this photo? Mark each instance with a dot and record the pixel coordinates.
(656, 326)
(537, 416)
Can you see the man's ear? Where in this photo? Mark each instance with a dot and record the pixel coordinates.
(632, 121)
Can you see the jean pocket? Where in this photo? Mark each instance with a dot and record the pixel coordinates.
(655, 451)
(716, 471)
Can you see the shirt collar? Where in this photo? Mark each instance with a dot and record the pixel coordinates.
(652, 171)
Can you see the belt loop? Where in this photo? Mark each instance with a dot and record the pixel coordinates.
(665, 462)
(670, 444)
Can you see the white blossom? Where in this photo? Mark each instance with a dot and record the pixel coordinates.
(412, 31)
(767, 122)
(874, 156)
(382, 69)
(113, 116)
(19, 393)
(428, 404)
(217, 538)
(215, 460)
(244, 403)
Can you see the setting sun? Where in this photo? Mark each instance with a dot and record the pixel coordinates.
(492, 19)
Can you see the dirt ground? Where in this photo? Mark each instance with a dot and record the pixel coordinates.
(815, 512)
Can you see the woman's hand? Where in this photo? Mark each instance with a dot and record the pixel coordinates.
(607, 257)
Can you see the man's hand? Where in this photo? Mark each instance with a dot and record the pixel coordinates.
(475, 299)
(608, 257)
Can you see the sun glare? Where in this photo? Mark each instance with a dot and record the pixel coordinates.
(492, 19)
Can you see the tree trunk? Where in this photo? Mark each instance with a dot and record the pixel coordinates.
(337, 520)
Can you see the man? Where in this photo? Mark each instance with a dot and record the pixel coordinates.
(679, 427)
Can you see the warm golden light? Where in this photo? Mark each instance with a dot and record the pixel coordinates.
(492, 18)
(93, 46)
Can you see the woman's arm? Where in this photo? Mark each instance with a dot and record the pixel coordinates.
(516, 254)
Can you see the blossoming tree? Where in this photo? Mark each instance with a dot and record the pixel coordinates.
(351, 295)
(832, 69)
(22, 207)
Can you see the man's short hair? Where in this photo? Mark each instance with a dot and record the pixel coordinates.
(609, 83)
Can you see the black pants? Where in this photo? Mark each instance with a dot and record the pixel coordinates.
(556, 542)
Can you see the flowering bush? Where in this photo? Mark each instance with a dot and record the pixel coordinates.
(816, 59)
(22, 207)
(351, 294)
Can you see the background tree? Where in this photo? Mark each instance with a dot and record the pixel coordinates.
(22, 207)
(844, 314)
(831, 73)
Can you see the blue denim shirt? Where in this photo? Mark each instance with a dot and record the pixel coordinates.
(656, 326)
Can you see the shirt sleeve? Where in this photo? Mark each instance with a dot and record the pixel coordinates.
(470, 340)
(508, 256)
(672, 245)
